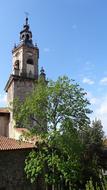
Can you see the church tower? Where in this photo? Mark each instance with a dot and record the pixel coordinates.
(21, 82)
(24, 66)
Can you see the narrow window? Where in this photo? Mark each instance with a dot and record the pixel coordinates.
(16, 65)
(30, 61)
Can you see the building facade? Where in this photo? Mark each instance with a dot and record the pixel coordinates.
(12, 162)
(21, 83)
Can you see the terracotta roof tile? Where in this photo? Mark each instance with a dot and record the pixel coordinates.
(12, 144)
(21, 129)
(4, 110)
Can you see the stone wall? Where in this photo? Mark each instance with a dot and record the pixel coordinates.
(23, 87)
(20, 88)
(12, 175)
(10, 95)
(4, 124)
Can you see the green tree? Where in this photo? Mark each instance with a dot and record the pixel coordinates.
(53, 104)
(102, 186)
(91, 160)
(58, 113)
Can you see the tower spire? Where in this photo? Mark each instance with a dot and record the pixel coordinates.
(26, 20)
(26, 34)
(27, 14)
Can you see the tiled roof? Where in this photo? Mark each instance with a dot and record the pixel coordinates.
(12, 144)
(21, 129)
(4, 110)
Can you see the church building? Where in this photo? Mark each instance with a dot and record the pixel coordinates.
(21, 82)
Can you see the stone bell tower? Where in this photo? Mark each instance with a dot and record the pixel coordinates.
(25, 57)
(24, 66)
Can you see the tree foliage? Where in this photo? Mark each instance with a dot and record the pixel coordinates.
(101, 186)
(58, 113)
(53, 104)
(91, 160)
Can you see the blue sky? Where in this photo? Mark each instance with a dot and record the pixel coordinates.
(72, 38)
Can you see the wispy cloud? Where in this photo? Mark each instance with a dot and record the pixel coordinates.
(88, 62)
(103, 81)
(3, 99)
(101, 112)
(46, 49)
(74, 26)
(88, 81)
(89, 66)
(93, 100)
(102, 109)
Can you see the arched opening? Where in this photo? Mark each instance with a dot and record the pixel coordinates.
(23, 36)
(27, 36)
(16, 65)
(30, 61)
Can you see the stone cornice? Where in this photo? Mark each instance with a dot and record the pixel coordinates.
(14, 78)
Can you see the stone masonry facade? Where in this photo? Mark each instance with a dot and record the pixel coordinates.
(12, 175)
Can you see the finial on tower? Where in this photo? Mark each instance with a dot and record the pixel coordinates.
(27, 14)
(26, 20)
(42, 73)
